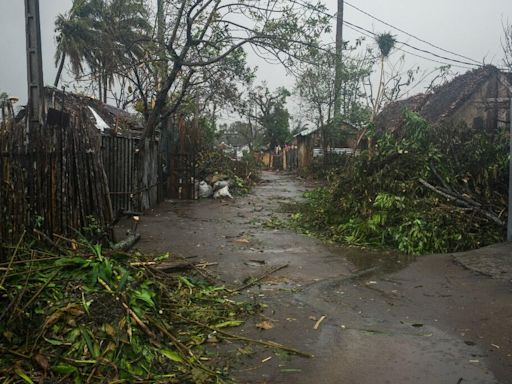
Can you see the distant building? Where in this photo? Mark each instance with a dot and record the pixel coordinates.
(477, 98)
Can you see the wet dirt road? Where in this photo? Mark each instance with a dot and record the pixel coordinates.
(405, 321)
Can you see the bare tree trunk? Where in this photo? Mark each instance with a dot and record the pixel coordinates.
(59, 71)
(376, 107)
(100, 89)
(380, 91)
(105, 87)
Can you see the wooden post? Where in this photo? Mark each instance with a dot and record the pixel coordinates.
(509, 222)
(34, 64)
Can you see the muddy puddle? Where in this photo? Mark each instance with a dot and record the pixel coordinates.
(379, 261)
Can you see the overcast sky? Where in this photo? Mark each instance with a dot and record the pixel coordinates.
(472, 28)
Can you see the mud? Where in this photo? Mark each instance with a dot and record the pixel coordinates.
(402, 321)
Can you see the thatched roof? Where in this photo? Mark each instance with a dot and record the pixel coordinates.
(106, 117)
(392, 115)
(444, 102)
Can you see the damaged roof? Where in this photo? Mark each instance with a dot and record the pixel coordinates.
(106, 117)
(306, 132)
(445, 101)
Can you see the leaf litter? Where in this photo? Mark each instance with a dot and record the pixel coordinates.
(84, 314)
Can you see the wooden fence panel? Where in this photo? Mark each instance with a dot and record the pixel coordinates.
(120, 162)
(53, 178)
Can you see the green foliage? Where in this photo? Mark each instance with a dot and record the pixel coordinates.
(93, 231)
(315, 87)
(385, 42)
(380, 201)
(83, 317)
(269, 119)
(277, 126)
(208, 131)
(102, 35)
(321, 168)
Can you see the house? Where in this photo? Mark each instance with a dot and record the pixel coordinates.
(306, 141)
(477, 98)
(309, 143)
(107, 118)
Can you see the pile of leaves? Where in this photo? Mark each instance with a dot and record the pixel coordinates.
(87, 315)
(243, 173)
(421, 189)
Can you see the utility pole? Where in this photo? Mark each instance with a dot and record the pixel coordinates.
(509, 223)
(339, 61)
(35, 105)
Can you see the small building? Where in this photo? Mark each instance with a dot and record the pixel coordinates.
(306, 141)
(310, 146)
(107, 118)
(477, 98)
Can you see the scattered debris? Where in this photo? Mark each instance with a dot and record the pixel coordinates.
(422, 189)
(254, 280)
(221, 184)
(255, 263)
(128, 243)
(92, 318)
(205, 190)
(222, 193)
(216, 166)
(317, 324)
(265, 325)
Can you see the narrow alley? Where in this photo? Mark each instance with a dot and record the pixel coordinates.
(376, 314)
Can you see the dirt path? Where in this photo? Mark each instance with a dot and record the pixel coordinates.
(428, 322)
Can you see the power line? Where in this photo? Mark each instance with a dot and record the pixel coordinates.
(411, 35)
(460, 63)
(410, 53)
(416, 48)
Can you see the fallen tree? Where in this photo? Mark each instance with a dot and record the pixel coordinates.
(425, 189)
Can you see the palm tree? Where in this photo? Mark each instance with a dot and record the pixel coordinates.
(385, 42)
(75, 35)
(100, 34)
(123, 26)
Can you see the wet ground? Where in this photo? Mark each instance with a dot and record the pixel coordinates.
(380, 317)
